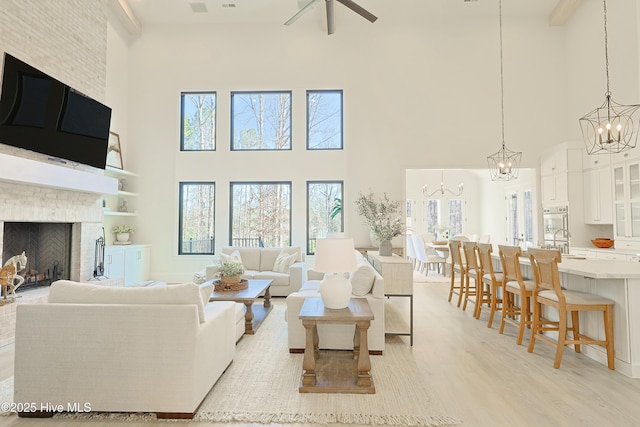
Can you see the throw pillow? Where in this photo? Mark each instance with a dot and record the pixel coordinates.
(233, 257)
(284, 261)
(362, 280)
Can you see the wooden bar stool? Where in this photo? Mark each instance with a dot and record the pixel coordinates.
(457, 265)
(473, 272)
(515, 286)
(492, 279)
(548, 292)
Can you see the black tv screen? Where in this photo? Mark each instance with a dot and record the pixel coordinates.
(42, 114)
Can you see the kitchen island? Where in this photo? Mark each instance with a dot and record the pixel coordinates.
(616, 280)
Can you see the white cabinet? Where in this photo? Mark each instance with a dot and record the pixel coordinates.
(128, 261)
(626, 199)
(556, 169)
(598, 203)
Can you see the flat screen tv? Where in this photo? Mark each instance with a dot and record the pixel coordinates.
(42, 114)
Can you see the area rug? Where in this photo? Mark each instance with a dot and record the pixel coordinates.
(261, 386)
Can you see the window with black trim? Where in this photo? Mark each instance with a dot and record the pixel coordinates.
(197, 218)
(260, 214)
(324, 211)
(261, 120)
(324, 120)
(198, 121)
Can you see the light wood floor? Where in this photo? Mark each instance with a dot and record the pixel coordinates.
(480, 377)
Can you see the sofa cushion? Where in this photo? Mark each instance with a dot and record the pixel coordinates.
(279, 279)
(362, 280)
(206, 289)
(284, 261)
(250, 256)
(69, 292)
(268, 258)
(232, 257)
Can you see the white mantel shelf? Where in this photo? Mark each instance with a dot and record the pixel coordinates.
(30, 172)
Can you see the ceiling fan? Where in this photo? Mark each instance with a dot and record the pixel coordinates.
(330, 13)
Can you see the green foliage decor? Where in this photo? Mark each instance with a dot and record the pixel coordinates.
(122, 228)
(227, 268)
(382, 215)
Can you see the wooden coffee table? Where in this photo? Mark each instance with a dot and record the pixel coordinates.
(253, 316)
(329, 371)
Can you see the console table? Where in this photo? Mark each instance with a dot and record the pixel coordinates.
(397, 273)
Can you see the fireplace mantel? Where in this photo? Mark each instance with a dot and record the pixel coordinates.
(25, 171)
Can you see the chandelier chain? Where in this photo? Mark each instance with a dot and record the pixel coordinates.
(501, 74)
(606, 48)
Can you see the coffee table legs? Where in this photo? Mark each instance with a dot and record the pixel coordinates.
(248, 318)
(267, 298)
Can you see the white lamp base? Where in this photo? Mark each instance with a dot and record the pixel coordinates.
(335, 291)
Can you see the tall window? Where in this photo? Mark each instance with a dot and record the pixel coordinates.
(197, 218)
(456, 217)
(528, 218)
(198, 121)
(324, 210)
(324, 119)
(433, 216)
(260, 214)
(261, 120)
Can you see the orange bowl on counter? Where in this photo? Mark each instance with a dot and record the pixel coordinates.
(602, 243)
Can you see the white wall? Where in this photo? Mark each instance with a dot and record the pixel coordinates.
(419, 94)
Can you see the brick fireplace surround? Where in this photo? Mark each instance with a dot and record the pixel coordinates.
(38, 190)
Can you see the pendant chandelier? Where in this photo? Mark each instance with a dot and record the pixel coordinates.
(610, 128)
(505, 164)
(442, 190)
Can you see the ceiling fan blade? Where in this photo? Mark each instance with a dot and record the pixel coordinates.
(359, 10)
(301, 12)
(330, 17)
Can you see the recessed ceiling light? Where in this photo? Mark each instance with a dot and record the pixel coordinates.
(228, 5)
(198, 7)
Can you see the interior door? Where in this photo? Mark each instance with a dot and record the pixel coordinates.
(519, 218)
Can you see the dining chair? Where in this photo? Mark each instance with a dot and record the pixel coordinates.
(411, 253)
(548, 292)
(517, 292)
(473, 272)
(485, 238)
(435, 259)
(421, 255)
(493, 280)
(455, 247)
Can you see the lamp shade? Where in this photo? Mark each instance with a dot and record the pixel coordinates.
(335, 256)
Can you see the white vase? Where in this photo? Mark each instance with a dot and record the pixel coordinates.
(122, 237)
(385, 248)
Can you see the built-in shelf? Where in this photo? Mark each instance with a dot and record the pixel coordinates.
(115, 213)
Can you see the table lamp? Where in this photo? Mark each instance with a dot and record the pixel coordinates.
(335, 257)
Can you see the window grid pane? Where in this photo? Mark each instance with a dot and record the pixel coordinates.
(433, 216)
(197, 218)
(456, 217)
(198, 121)
(324, 211)
(261, 121)
(324, 120)
(260, 214)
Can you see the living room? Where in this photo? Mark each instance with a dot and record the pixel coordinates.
(421, 91)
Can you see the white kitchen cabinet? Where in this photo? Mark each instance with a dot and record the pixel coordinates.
(626, 199)
(555, 189)
(557, 170)
(598, 202)
(130, 262)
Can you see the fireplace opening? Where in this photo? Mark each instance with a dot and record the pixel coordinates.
(47, 247)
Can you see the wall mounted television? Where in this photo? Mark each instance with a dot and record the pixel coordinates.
(42, 114)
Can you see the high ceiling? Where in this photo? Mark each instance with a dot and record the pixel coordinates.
(193, 12)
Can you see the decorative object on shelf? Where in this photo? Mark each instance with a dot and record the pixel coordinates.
(442, 190)
(383, 217)
(504, 165)
(9, 275)
(610, 128)
(123, 206)
(335, 257)
(122, 184)
(122, 232)
(602, 242)
(114, 152)
(230, 272)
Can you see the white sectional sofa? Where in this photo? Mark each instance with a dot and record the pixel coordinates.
(367, 283)
(260, 264)
(146, 349)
